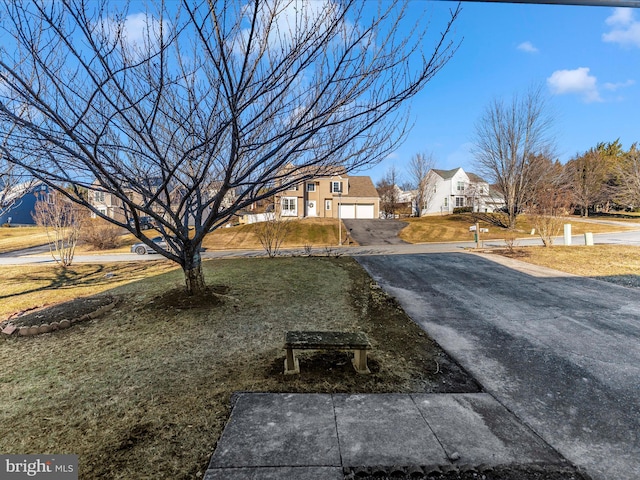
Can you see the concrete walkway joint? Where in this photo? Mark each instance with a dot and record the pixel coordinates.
(301, 436)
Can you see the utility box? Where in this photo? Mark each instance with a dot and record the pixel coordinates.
(588, 239)
(567, 234)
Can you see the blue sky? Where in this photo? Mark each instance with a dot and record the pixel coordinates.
(586, 58)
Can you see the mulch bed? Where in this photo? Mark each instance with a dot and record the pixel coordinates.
(74, 310)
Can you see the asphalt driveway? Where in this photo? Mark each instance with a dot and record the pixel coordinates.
(375, 231)
(561, 352)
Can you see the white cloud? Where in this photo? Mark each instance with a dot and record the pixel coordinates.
(620, 16)
(137, 31)
(527, 47)
(576, 81)
(281, 24)
(616, 86)
(625, 29)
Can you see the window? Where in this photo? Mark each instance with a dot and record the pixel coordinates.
(327, 204)
(311, 187)
(460, 186)
(293, 187)
(101, 209)
(446, 201)
(98, 197)
(289, 206)
(336, 187)
(459, 201)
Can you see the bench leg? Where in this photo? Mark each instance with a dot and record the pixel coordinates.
(291, 365)
(360, 361)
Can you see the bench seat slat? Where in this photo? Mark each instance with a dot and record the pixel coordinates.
(327, 340)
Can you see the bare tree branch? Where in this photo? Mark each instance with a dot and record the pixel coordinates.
(419, 167)
(205, 100)
(508, 139)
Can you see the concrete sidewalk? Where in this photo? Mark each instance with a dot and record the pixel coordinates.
(315, 436)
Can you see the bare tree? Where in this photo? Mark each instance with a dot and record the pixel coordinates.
(508, 140)
(273, 232)
(628, 191)
(62, 220)
(171, 109)
(388, 190)
(419, 168)
(587, 176)
(549, 201)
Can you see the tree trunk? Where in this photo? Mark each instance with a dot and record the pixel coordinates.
(193, 275)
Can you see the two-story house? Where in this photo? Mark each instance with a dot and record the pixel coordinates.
(331, 194)
(113, 207)
(449, 189)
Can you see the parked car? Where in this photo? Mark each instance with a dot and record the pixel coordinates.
(146, 223)
(142, 248)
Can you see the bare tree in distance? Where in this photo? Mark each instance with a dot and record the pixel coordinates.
(549, 201)
(62, 221)
(419, 167)
(171, 109)
(628, 192)
(272, 232)
(587, 176)
(509, 138)
(388, 190)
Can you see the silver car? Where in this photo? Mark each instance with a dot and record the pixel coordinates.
(142, 248)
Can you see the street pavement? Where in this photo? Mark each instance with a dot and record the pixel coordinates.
(40, 255)
(561, 352)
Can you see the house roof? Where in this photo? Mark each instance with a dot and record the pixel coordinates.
(475, 178)
(19, 190)
(315, 170)
(361, 187)
(446, 174)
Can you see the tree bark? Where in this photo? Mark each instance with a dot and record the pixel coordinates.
(193, 275)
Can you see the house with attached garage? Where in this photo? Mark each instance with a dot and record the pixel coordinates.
(450, 189)
(332, 193)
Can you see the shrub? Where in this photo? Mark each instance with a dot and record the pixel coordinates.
(100, 234)
(463, 210)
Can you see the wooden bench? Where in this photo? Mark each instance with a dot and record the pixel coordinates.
(355, 341)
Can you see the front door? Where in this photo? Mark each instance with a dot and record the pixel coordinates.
(311, 209)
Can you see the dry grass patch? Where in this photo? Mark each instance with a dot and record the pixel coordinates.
(613, 263)
(452, 228)
(16, 238)
(30, 287)
(455, 228)
(318, 232)
(144, 391)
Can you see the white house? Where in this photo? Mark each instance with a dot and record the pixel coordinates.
(449, 189)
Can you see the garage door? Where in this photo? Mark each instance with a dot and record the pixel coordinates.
(364, 211)
(350, 210)
(347, 210)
